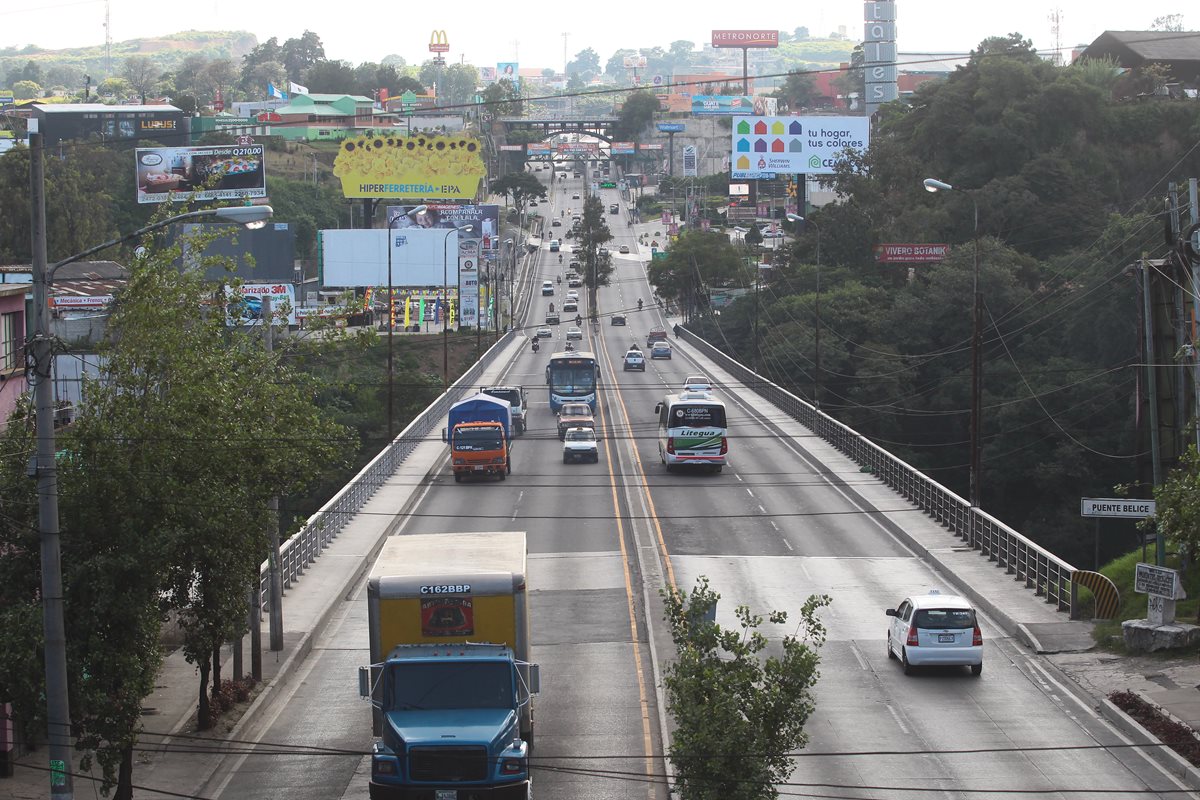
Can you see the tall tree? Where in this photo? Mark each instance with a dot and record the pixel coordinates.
(594, 234)
(141, 73)
(219, 76)
(331, 77)
(503, 98)
(586, 64)
(799, 91)
(635, 115)
(738, 715)
(301, 54)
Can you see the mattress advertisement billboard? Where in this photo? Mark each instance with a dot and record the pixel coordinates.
(223, 172)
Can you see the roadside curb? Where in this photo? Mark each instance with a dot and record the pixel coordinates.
(1174, 763)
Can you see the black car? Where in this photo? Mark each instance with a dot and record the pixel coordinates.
(618, 319)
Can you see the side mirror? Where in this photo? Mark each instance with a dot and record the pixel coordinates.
(658, 409)
(364, 681)
(891, 612)
(445, 435)
(535, 679)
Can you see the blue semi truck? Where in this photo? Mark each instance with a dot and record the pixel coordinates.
(450, 681)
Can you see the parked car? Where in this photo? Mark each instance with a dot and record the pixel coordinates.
(579, 444)
(661, 350)
(634, 360)
(618, 319)
(935, 629)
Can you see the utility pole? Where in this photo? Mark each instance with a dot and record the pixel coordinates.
(58, 711)
(274, 585)
(1152, 391)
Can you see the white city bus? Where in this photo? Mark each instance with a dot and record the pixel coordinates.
(692, 430)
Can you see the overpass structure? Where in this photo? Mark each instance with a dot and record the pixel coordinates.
(599, 126)
(805, 506)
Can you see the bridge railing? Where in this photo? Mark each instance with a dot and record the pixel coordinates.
(1047, 575)
(306, 544)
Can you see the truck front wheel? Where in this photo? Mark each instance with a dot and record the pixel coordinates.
(458, 477)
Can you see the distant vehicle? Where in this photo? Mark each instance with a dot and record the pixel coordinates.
(544, 332)
(618, 319)
(697, 383)
(574, 282)
(515, 395)
(552, 318)
(770, 234)
(547, 288)
(634, 360)
(576, 195)
(602, 251)
(556, 223)
(692, 431)
(571, 378)
(574, 264)
(579, 444)
(624, 248)
(574, 415)
(574, 333)
(656, 335)
(570, 306)
(572, 294)
(614, 209)
(935, 629)
(555, 245)
(533, 204)
(660, 350)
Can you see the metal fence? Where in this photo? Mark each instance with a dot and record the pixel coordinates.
(304, 546)
(1039, 569)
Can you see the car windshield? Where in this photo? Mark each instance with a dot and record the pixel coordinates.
(944, 618)
(460, 685)
(581, 436)
(697, 416)
(576, 410)
(477, 440)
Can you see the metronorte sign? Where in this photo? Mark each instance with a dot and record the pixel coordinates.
(743, 38)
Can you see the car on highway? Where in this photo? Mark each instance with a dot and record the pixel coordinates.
(656, 334)
(533, 204)
(555, 245)
(575, 197)
(574, 264)
(574, 415)
(602, 251)
(614, 209)
(618, 319)
(574, 282)
(572, 294)
(556, 223)
(624, 248)
(697, 383)
(634, 360)
(571, 307)
(574, 333)
(552, 318)
(544, 332)
(579, 444)
(935, 629)
(660, 350)
(547, 289)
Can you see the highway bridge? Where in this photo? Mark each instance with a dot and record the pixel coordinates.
(805, 506)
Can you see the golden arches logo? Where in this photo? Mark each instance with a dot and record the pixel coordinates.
(438, 43)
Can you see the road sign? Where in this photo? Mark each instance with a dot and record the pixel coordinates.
(245, 140)
(1116, 507)
(1158, 581)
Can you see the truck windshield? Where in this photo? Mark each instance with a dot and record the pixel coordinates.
(510, 395)
(451, 685)
(474, 441)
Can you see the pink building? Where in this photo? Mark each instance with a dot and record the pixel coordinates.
(12, 346)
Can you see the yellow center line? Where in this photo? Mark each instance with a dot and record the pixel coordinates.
(647, 739)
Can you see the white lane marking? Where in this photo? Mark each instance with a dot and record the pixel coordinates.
(899, 722)
(858, 656)
(788, 545)
(773, 525)
(749, 492)
(517, 506)
(740, 478)
(760, 508)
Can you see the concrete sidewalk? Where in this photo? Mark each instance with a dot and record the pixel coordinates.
(170, 712)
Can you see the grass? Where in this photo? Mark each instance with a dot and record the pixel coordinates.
(1133, 605)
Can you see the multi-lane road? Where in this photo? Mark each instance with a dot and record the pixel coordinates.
(774, 527)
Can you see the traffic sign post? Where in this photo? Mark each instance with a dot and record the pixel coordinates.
(1115, 508)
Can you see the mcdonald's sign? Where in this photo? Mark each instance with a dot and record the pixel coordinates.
(438, 42)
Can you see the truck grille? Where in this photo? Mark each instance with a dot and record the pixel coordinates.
(438, 764)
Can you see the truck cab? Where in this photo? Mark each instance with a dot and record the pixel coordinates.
(515, 395)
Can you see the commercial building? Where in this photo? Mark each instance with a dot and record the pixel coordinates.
(59, 122)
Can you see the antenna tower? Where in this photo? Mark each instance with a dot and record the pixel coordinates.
(107, 42)
(1056, 35)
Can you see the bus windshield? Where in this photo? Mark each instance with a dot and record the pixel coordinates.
(697, 416)
(572, 380)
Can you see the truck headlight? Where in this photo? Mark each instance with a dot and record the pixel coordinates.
(497, 460)
(460, 461)
(512, 766)
(385, 765)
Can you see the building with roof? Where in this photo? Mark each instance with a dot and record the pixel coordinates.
(12, 346)
(1178, 51)
(59, 122)
(308, 117)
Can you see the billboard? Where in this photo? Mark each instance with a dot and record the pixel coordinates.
(622, 148)
(507, 70)
(634, 62)
(670, 127)
(244, 304)
(794, 145)
(734, 104)
(438, 43)
(226, 172)
(743, 38)
(351, 257)
(483, 219)
(910, 253)
(425, 166)
(538, 148)
(487, 74)
(655, 146)
(689, 161)
(578, 148)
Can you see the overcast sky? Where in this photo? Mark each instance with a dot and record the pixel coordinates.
(531, 32)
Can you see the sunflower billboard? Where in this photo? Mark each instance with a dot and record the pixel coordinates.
(423, 166)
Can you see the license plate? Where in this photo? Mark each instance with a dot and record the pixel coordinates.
(445, 794)
(946, 638)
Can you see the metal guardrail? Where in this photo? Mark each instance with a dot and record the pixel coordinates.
(305, 545)
(1039, 569)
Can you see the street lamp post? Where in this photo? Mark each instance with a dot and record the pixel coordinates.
(391, 314)
(446, 301)
(934, 185)
(58, 714)
(817, 331)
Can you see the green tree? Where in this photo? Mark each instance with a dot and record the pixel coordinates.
(738, 715)
(1178, 515)
(26, 90)
(799, 91)
(521, 186)
(141, 74)
(301, 54)
(1168, 22)
(615, 66)
(696, 261)
(635, 115)
(586, 64)
(329, 77)
(503, 98)
(593, 234)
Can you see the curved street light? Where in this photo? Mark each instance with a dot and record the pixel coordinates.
(391, 312)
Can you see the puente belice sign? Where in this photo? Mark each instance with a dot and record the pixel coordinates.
(1116, 507)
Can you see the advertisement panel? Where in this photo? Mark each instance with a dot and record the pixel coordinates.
(225, 172)
(538, 148)
(794, 145)
(910, 253)
(244, 305)
(622, 148)
(7, 99)
(744, 38)
(511, 148)
(507, 70)
(655, 146)
(438, 43)
(734, 104)
(351, 258)
(426, 166)
(689, 161)
(578, 148)
(487, 74)
(634, 62)
(670, 127)
(483, 219)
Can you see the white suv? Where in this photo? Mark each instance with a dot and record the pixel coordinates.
(579, 444)
(634, 360)
(935, 630)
